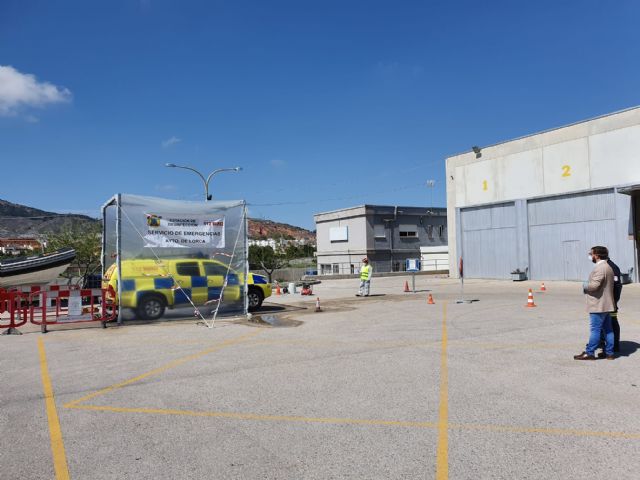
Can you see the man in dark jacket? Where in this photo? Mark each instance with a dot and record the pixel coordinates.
(617, 291)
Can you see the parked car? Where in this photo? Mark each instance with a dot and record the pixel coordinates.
(150, 286)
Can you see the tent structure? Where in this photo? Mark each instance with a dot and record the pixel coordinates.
(166, 242)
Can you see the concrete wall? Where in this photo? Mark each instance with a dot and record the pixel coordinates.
(389, 249)
(357, 235)
(434, 259)
(596, 154)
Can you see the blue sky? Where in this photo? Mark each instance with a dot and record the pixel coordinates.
(325, 104)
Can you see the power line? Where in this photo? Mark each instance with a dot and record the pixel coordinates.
(351, 197)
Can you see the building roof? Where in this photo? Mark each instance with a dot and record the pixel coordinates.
(373, 209)
(548, 130)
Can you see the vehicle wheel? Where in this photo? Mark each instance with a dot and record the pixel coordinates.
(150, 307)
(255, 297)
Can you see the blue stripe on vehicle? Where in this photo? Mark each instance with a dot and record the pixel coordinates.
(213, 293)
(160, 283)
(232, 279)
(128, 285)
(182, 295)
(259, 280)
(198, 282)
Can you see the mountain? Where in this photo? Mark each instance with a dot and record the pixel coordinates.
(22, 221)
(269, 229)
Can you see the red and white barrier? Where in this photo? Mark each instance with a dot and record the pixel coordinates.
(56, 305)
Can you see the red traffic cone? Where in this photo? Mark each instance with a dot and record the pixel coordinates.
(406, 286)
(318, 309)
(430, 300)
(543, 288)
(530, 300)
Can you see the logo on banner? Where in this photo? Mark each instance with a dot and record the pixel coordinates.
(153, 220)
(184, 231)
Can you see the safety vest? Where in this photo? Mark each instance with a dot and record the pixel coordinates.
(365, 272)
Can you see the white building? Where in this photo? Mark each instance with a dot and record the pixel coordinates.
(386, 235)
(264, 242)
(538, 203)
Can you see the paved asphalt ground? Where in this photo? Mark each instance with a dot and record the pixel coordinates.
(385, 387)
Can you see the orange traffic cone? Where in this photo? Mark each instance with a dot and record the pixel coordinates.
(430, 300)
(543, 288)
(406, 286)
(278, 292)
(318, 309)
(530, 300)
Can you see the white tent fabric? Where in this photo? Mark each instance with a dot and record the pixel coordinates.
(140, 227)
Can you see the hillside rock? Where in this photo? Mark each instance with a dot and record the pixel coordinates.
(268, 229)
(22, 221)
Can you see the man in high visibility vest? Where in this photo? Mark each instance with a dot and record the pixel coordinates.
(365, 278)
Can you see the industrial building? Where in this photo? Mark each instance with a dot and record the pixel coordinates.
(538, 203)
(387, 235)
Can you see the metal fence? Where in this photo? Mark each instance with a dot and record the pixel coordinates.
(345, 268)
(290, 274)
(294, 274)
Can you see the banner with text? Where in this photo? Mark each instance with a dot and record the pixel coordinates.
(184, 231)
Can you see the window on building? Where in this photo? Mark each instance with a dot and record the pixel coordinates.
(353, 269)
(441, 230)
(336, 268)
(430, 232)
(339, 234)
(408, 231)
(379, 232)
(325, 269)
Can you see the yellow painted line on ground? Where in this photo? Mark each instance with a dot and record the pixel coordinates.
(466, 344)
(354, 421)
(55, 433)
(254, 416)
(442, 454)
(163, 368)
(545, 430)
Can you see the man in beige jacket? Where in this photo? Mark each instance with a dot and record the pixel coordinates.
(600, 304)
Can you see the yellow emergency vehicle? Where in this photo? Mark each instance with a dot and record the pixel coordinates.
(149, 286)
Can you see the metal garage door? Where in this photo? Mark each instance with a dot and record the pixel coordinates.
(489, 246)
(563, 229)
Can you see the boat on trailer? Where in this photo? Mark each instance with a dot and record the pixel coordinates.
(35, 270)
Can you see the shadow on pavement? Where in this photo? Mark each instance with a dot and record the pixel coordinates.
(628, 348)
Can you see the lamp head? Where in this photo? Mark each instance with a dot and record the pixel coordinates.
(170, 165)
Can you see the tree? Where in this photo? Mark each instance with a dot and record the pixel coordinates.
(86, 240)
(266, 259)
(293, 251)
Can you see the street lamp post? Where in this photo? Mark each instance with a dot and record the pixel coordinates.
(206, 181)
(430, 185)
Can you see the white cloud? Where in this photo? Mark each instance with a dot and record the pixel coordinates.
(170, 142)
(277, 163)
(23, 90)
